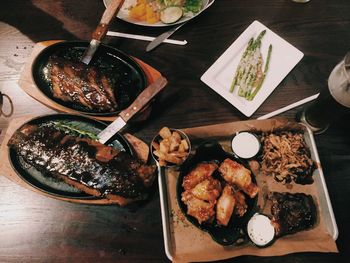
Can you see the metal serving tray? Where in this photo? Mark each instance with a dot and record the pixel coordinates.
(326, 210)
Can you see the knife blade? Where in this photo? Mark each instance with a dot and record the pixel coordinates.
(90, 51)
(158, 40)
(145, 96)
(101, 30)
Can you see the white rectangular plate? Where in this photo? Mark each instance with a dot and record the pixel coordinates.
(284, 57)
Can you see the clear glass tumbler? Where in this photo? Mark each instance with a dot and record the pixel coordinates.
(333, 102)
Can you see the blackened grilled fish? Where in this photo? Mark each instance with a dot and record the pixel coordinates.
(292, 212)
(82, 84)
(86, 164)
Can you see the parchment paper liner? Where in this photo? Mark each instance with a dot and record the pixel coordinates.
(189, 244)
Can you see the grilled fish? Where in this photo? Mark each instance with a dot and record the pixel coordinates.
(81, 84)
(88, 165)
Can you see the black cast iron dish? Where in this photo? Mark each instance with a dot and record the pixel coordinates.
(128, 77)
(48, 184)
(234, 232)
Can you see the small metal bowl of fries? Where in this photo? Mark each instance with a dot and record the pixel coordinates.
(170, 147)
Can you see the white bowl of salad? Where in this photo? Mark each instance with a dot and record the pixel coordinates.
(159, 12)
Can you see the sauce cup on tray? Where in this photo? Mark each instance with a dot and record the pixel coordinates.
(245, 145)
(260, 230)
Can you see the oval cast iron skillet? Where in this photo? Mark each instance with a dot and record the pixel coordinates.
(127, 75)
(47, 184)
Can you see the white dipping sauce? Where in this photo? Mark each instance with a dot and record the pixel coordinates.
(260, 230)
(245, 145)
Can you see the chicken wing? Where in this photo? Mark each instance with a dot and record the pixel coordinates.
(207, 190)
(236, 174)
(201, 210)
(201, 172)
(201, 192)
(225, 206)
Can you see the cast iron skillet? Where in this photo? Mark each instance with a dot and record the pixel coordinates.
(127, 76)
(235, 230)
(52, 186)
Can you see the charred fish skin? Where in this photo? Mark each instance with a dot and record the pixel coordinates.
(59, 155)
(82, 84)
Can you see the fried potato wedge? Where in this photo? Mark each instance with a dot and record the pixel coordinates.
(172, 148)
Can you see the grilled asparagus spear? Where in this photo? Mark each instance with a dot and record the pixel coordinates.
(252, 95)
(249, 75)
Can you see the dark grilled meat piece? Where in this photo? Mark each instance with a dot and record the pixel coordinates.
(82, 84)
(241, 205)
(292, 212)
(88, 165)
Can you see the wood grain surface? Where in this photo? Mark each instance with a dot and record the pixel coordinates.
(35, 228)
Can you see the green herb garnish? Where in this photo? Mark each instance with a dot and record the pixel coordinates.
(75, 129)
(193, 5)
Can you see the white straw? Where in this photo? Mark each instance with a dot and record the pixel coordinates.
(291, 106)
(145, 38)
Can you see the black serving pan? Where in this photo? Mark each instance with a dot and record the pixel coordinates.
(234, 233)
(49, 185)
(126, 74)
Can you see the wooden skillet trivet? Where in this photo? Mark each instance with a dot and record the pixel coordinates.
(141, 149)
(27, 84)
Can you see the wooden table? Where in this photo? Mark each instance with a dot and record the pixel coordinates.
(37, 228)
